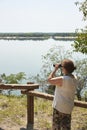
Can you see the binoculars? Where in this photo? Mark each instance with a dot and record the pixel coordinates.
(59, 65)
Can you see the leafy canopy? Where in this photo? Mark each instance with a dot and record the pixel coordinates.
(80, 43)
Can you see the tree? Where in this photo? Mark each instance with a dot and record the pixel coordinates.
(13, 78)
(55, 55)
(81, 72)
(80, 43)
(83, 8)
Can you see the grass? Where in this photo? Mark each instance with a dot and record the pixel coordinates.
(13, 110)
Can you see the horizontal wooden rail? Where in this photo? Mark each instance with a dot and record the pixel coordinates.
(50, 97)
(82, 104)
(38, 94)
(19, 86)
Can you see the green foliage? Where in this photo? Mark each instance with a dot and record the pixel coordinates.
(81, 70)
(81, 73)
(81, 40)
(55, 55)
(13, 78)
(81, 43)
(83, 8)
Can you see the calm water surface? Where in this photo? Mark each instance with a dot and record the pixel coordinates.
(25, 56)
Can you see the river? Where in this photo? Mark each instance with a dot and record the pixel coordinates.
(26, 56)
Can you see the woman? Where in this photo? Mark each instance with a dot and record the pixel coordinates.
(63, 102)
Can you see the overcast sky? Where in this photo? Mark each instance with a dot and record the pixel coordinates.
(40, 16)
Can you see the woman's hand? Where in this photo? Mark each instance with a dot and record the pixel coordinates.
(52, 74)
(57, 66)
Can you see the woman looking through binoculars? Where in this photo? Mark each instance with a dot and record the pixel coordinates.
(63, 102)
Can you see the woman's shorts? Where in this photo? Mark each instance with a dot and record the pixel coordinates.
(61, 121)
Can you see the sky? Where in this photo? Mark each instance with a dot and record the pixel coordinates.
(40, 16)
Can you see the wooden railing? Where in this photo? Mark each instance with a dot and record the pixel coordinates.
(30, 110)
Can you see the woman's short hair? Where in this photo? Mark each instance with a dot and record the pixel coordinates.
(68, 65)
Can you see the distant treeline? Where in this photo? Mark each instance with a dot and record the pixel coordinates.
(37, 36)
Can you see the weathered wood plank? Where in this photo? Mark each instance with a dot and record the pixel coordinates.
(80, 104)
(41, 95)
(19, 86)
(50, 97)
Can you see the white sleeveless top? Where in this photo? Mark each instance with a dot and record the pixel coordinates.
(64, 95)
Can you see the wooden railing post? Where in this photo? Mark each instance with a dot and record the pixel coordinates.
(30, 112)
